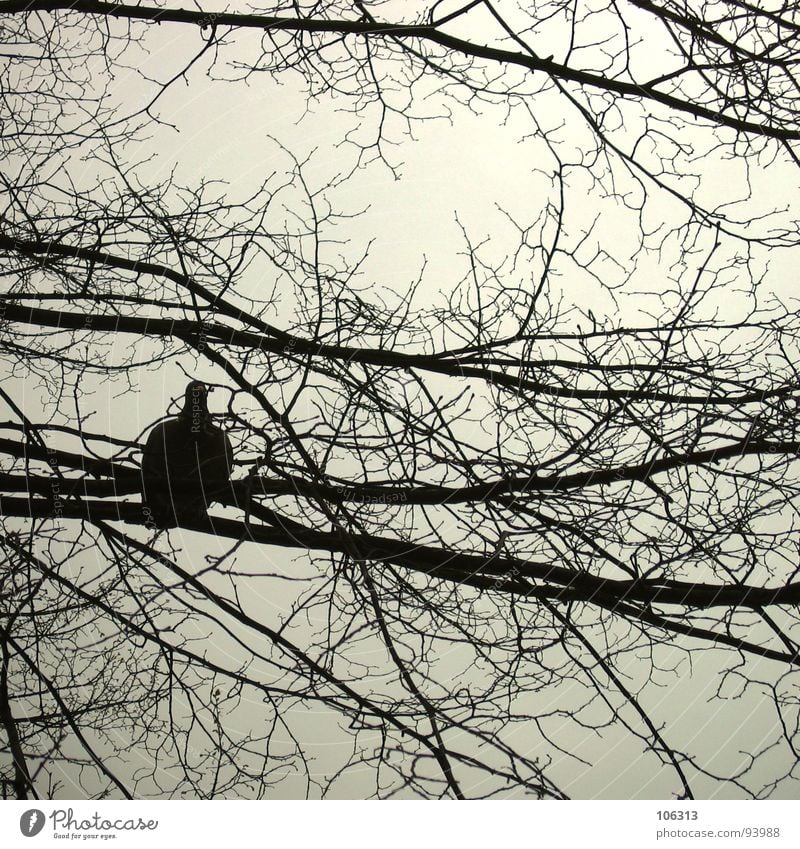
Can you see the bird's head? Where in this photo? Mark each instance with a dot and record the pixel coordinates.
(195, 405)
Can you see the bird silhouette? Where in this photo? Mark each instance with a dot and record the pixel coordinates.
(186, 463)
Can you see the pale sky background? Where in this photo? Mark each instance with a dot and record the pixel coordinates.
(472, 167)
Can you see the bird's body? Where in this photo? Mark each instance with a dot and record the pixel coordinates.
(186, 463)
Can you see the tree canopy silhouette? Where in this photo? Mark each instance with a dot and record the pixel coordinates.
(499, 298)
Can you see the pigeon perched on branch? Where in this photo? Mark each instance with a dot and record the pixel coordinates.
(186, 463)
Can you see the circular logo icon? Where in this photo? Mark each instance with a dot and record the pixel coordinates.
(31, 822)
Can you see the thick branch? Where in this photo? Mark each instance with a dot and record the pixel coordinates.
(557, 582)
(400, 32)
(281, 342)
